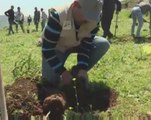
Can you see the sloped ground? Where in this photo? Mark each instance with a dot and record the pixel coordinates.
(22, 98)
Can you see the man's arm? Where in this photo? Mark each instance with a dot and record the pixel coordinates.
(7, 13)
(85, 49)
(50, 37)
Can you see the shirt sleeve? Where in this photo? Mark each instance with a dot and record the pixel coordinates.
(85, 49)
(50, 37)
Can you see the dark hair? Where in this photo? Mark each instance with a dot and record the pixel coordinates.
(12, 6)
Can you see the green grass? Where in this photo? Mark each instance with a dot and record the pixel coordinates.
(126, 67)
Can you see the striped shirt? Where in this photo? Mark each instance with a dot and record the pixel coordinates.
(51, 36)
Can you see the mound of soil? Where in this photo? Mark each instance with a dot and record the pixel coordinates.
(22, 97)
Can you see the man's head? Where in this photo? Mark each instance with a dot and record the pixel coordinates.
(12, 7)
(41, 9)
(36, 9)
(18, 8)
(86, 10)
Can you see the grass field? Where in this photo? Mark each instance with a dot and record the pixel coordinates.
(126, 67)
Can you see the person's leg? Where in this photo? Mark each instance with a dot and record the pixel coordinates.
(105, 23)
(140, 23)
(36, 25)
(101, 46)
(110, 17)
(22, 26)
(10, 27)
(9, 30)
(135, 12)
(17, 27)
(133, 24)
(43, 24)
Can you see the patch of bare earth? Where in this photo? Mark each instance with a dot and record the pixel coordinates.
(27, 98)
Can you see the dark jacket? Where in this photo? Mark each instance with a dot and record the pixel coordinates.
(36, 16)
(10, 14)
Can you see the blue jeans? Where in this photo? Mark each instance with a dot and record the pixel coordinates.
(100, 47)
(137, 15)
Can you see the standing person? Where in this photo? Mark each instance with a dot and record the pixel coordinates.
(137, 15)
(72, 30)
(36, 18)
(107, 15)
(10, 14)
(43, 18)
(19, 19)
(29, 20)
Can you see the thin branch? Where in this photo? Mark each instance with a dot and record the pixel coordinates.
(3, 108)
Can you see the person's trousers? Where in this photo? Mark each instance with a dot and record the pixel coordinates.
(136, 16)
(36, 25)
(10, 27)
(100, 47)
(21, 26)
(106, 22)
(43, 22)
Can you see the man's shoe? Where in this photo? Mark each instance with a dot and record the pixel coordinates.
(104, 36)
(139, 40)
(110, 35)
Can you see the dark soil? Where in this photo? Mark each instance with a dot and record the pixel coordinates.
(21, 98)
(27, 97)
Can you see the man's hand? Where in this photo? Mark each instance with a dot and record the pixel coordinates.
(83, 73)
(66, 78)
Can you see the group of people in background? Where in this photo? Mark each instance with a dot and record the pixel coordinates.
(108, 9)
(17, 18)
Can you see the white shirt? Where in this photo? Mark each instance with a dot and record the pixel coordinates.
(19, 16)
